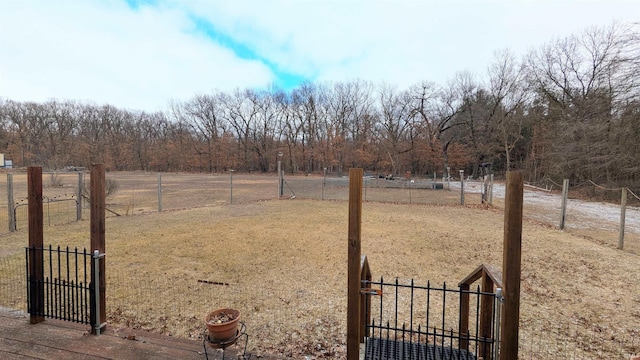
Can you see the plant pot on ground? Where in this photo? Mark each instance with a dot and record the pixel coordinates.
(222, 324)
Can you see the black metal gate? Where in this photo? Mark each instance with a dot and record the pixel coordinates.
(59, 284)
(405, 321)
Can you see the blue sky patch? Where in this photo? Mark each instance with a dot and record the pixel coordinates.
(284, 79)
(136, 4)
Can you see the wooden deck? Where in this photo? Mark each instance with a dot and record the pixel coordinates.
(53, 339)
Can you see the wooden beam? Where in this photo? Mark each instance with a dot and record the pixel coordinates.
(36, 243)
(353, 300)
(511, 268)
(464, 316)
(486, 315)
(98, 205)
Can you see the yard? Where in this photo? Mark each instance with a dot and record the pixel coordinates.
(283, 263)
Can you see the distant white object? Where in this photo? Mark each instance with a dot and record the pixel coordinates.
(412, 181)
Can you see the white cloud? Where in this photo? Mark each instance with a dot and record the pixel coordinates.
(106, 52)
(109, 53)
(401, 41)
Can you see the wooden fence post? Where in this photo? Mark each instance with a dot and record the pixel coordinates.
(231, 186)
(98, 232)
(353, 300)
(565, 195)
(511, 266)
(10, 205)
(36, 237)
(79, 196)
(280, 180)
(159, 192)
(461, 187)
(623, 213)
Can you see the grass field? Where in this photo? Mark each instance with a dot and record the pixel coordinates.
(284, 264)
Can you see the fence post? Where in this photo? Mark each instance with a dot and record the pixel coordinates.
(96, 306)
(79, 196)
(461, 187)
(36, 237)
(98, 236)
(324, 179)
(484, 196)
(11, 215)
(280, 190)
(486, 313)
(511, 266)
(231, 186)
(159, 192)
(491, 189)
(565, 195)
(354, 238)
(496, 343)
(623, 211)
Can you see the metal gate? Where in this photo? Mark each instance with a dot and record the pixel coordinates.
(422, 322)
(60, 284)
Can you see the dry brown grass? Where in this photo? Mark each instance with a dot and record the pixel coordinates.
(285, 261)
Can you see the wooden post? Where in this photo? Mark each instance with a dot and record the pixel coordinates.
(353, 300)
(623, 211)
(230, 186)
(159, 192)
(79, 196)
(461, 187)
(565, 195)
(511, 266)
(486, 314)
(280, 190)
(464, 316)
(98, 231)
(10, 215)
(491, 189)
(36, 243)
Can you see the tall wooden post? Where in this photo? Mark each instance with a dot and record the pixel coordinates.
(565, 195)
(98, 231)
(623, 212)
(36, 243)
(10, 205)
(353, 300)
(511, 266)
(159, 192)
(280, 188)
(461, 187)
(36, 236)
(79, 196)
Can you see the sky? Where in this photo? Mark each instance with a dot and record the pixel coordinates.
(142, 54)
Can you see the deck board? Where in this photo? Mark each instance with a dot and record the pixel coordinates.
(54, 339)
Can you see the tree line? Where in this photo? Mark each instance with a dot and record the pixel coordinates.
(568, 109)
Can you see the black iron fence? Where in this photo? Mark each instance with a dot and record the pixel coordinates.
(410, 321)
(59, 284)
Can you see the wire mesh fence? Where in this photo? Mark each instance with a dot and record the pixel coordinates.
(288, 317)
(281, 318)
(131, 193)
(13, 285)
(290, 320)
(577, 341)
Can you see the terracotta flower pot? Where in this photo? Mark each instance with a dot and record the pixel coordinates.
(222, 324)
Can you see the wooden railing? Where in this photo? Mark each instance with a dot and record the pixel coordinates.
(491, 280)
